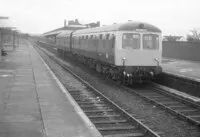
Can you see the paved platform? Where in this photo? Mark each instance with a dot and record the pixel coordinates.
(182, 68)
(33, 103)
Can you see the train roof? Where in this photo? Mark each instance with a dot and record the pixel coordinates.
(65, 33)
(129, 26)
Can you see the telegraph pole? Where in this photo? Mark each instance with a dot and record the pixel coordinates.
(1, 42)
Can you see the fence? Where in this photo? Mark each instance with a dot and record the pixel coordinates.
(182, 50)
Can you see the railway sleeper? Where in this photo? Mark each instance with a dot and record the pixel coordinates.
(162, 99)
(101, 113)
(105, 116)
(88, 102)
(112, 124)
(166, 103)
(175, 104)
(91, 97)
(185, 110)
(123, 133)
(190, 113)
(157, 97)
(195, 117)
(126, 135)
(95, 108)
(98, 110)
(113, 121)
(80, 95)
(116, 128)
(92, 104)
(179, 107)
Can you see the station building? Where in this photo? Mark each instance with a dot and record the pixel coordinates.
(71, 25)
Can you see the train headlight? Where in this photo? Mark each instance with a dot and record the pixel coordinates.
(157, 60)
(123, 60)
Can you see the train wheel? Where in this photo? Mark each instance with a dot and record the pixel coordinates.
(130, 79)
(98, 68)
(123, 78)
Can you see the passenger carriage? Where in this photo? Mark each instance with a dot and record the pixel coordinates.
(64, 42)
(130, 50)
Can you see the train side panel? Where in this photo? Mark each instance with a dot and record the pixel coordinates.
(64, 41)
(105, 48)
(95, 47)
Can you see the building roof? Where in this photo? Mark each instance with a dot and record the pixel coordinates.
(60, 30)
(5, 22)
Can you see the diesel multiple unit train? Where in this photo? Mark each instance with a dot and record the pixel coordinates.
(128, 52)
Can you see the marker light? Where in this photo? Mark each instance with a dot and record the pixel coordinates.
(123, 60)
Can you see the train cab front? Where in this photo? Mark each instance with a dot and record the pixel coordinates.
(140, 55)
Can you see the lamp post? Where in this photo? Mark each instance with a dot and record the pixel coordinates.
(1, 34)
(14, 34)
(13, 40)
(1, 42)
(18, 39)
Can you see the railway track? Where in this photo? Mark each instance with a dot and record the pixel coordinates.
(174, 104)
(108, 117)
(180, 107)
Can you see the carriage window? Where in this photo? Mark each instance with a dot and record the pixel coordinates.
(150, 41)
(100, 36)
(107, 36)
(79, 40)
(131, 41)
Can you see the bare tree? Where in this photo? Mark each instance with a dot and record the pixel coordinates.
(194, 35)
(172, 38)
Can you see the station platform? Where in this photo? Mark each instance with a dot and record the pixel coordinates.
(182, 68)
(33, 103)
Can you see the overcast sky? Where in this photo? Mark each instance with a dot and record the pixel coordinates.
(174, 17)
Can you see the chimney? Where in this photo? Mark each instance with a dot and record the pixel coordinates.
(98, 23)
(76, 21)
(65, 24)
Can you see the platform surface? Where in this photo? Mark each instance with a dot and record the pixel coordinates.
(183, 68)
(32, 104)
